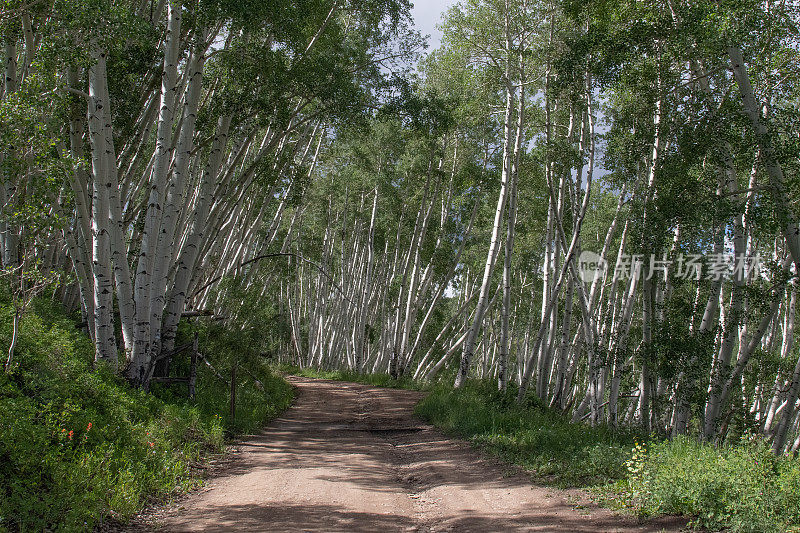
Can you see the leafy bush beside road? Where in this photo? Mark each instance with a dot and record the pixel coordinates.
(78, 445)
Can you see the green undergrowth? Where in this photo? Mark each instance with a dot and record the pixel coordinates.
(78, 446)
(377, 380)
(742, 487)
(540, 439)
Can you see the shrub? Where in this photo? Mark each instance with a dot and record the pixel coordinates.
(743, 487)
(78, 445)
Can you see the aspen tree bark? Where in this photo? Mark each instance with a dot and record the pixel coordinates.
(422, 367)
(420, 225)
(174, 201)
(706, 324)
(734, 317)
(81, 254)
(559, 390)
(648, 288)
(361, 324)
(190, 251)
(749, 345)
(9, 235)
(502, 371)
(410, 308)
(442, 288)
(110, 181)
(786, 349)
(619, 349)
(789, 412)
(491, 256)
(777, 188)
(158, 179)
(569, 256)
(105, 338)
(430, 374)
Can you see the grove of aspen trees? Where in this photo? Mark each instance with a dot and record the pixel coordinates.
(588, 201)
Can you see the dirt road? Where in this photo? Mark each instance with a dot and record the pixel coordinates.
(352, 458)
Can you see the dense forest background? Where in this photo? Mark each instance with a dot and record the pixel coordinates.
(588, 202)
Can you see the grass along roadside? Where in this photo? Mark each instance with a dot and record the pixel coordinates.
(79, 446)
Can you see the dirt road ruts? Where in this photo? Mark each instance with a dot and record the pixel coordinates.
(353, 458)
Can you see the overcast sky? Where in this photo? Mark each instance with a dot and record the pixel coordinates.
(427, 14)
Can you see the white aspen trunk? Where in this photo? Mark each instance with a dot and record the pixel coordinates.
(361, 324)
(424, 361)
(727, 177)
(786, 348)
(187, 261)
(502, 370)
(706, 324)
(568, 258)
(144, 271)
(105, 339)
(777, 189)
(619, 349)
(9, 236)
(81, 255)
(421, 220)
(110, 180)
(411, 308)
(430, 374)
(174, 201)
(559, 390)
(30, 47)
(648, 288)
(491, 256)
(443, 286)
(749, 345)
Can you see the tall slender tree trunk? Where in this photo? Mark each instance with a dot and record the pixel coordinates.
(491, 256)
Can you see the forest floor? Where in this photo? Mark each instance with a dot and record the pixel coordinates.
(350, 457)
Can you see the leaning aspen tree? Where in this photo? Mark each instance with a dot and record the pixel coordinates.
(569, 257)
(361, 324)
(408, 285)
(119, 256)
(443, 284)
(793, 391)
(786, 218)
(502, 370)
(185, 268)
(174, 199)
(79, 183)
(751, 340)
(418, 285)
(566, 270)
(648, 287)
(734, 316)
(559, 373)
(158, 179)
(494, 245)
(786, 349)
